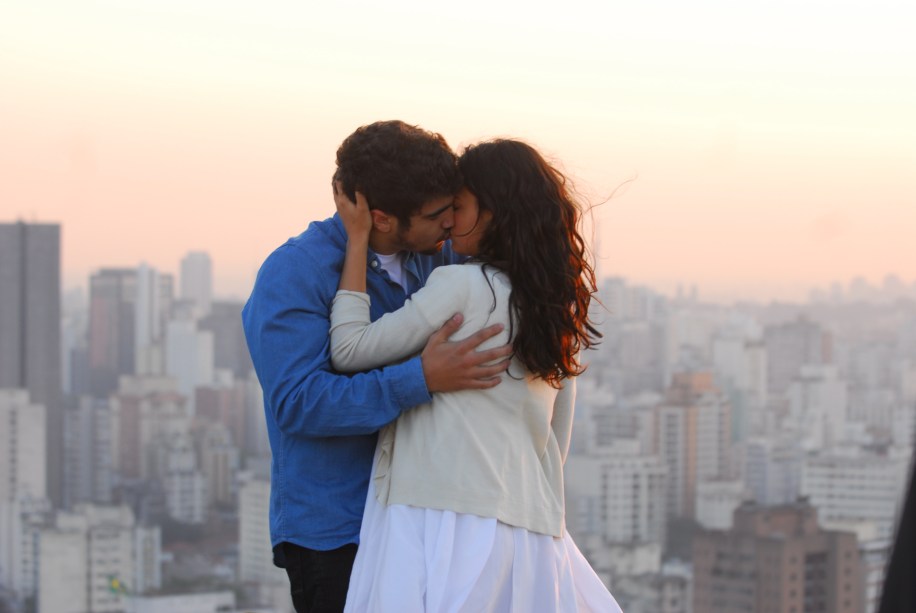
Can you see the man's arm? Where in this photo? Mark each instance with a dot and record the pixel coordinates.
(286, 326)
(357, 343)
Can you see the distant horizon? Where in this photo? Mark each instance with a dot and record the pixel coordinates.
(232, 288)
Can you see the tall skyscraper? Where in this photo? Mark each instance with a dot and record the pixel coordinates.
(197, 281)
(30, 350)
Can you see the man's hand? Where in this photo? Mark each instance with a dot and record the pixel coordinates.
(456, 365)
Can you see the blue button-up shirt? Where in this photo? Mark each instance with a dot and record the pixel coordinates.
(322, 425)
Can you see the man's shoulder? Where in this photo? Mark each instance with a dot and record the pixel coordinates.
(321, 242)
(310, 260)
(323, 235)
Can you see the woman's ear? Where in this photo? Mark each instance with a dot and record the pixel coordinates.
(381, 221)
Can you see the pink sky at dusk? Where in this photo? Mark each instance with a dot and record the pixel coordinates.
(772, 145)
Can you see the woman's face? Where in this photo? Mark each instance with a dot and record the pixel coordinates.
(470, 223)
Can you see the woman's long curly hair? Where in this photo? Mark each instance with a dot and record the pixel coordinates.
(534, 238)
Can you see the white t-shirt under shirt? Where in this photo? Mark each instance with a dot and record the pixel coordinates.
(394, 265)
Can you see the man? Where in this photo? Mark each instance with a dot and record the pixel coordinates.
(322, 425)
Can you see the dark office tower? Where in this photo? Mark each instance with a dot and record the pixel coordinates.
(776, 559)
(230, 350)
(30, 327)
(112, 310)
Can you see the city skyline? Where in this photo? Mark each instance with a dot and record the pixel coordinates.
(697, 427)
(762, 149)
(886, 286)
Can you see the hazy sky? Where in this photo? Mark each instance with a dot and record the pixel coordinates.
(773, 144)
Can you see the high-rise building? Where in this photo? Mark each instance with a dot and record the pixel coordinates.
(230, 350)
(30, 345)
(89, 452)
(717, 501)
(112, 300)
(219, 462)
(817, 406)
(790, 346)
(189, 357)
(772, 469)
(740, 364)
(128, 312)
(152, 311)
(22, 439)
(223, 403)
(693, 437)
(88, 561)
(255, 554)
(857, 486)
(143, 410)
(255, 441)
(776, 559)
(22, 483)
(617, 492)
(197, 281)
(185, 486)
(74, 354)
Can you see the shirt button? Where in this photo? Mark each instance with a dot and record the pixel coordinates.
(374, 264)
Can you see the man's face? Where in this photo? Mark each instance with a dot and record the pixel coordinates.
(429, 227)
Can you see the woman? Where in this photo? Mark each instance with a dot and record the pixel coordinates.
(465, 511)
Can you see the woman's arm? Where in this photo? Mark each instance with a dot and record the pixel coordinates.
(358, 345)
(562, 420)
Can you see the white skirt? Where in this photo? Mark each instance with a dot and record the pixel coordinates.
(424, 560)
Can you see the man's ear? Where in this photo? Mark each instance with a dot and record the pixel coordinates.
(381, 221)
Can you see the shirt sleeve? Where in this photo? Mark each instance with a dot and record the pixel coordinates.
(286, 327)
(562, 420)
(357, 344)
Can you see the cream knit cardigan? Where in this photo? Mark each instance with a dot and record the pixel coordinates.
(493, 453)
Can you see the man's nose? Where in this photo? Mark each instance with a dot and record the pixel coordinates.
(448, 219)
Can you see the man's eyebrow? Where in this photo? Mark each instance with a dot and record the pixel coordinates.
(439, 211)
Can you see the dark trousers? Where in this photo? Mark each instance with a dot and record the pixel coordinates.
(318, 580)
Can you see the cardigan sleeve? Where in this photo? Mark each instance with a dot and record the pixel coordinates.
(357, 344)
(562, 420)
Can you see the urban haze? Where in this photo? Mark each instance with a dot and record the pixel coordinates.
(723, 456)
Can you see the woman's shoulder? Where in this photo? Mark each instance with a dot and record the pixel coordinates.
(455, 272)
(472, 274)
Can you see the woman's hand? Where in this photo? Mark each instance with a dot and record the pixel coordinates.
(356, 218)
(357, 221)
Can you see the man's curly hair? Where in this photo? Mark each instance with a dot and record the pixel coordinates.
(397, 167)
